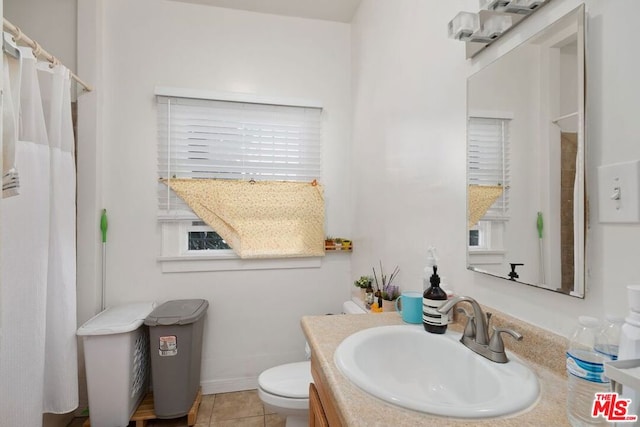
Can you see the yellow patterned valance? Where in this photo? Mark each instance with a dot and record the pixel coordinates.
(481, 197)
(262, 219)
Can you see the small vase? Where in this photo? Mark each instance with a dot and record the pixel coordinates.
(388, 306)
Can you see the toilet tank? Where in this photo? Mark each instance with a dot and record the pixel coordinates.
(350, 307)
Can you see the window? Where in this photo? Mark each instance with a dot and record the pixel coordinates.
(488, 165)
(200, 237)
(203, 137)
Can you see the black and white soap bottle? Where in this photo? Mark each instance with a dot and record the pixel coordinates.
(432, 299)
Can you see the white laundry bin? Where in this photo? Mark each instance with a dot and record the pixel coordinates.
(116, 354)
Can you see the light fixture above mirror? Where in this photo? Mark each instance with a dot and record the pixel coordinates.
(494, 19)
(523, 7)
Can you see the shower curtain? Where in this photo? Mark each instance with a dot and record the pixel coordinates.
(38, 352)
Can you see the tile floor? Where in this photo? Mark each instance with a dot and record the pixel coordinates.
(238, 409)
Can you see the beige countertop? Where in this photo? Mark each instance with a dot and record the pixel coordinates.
(539, 349)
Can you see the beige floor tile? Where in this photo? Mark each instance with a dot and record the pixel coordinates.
(274, 420)
(241, 404)
(205, 410)
(268, 411)
(239, 422)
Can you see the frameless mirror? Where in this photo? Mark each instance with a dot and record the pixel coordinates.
(525, 170)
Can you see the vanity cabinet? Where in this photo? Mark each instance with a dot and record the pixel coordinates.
(317, 418)
(322, 407)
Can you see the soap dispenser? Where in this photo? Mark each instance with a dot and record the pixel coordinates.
(432, 299)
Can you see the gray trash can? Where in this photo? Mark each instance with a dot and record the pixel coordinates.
(175, 334)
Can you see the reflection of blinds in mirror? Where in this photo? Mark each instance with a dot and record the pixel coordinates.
(488, 159)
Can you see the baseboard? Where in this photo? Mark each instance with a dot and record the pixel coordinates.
(229, 385)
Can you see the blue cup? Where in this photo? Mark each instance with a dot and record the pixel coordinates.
(410, 306)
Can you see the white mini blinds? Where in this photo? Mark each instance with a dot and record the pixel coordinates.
(201, 138)
(488, 160)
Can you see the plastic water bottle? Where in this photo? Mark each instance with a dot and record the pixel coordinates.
(585, 373)
(607, 341)
(630, 348)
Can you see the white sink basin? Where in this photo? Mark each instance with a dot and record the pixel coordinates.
(435, 374)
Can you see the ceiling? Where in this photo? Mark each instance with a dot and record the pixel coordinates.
(329, 10)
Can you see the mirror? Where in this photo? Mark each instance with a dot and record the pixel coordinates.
(525, 161)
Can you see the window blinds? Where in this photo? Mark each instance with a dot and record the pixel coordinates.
(488, 159)
(233, 140)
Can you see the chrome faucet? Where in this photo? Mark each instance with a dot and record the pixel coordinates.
(476, 331)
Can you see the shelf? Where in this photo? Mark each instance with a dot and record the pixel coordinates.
(334, 248)
(623, 372)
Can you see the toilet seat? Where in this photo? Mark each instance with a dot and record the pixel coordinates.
(290, 381)
(284, 405)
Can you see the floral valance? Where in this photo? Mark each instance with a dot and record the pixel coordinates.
(481, 197)
(261, 219)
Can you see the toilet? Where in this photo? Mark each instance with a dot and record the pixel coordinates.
(284, 389)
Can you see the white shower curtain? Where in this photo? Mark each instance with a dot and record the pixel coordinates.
(38, 356)
(61, 363)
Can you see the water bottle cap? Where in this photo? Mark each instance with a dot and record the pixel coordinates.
(633, 319)
(612, 318)
(588, 321)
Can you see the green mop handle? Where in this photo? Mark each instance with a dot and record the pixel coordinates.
(103, 228)
(104, 225)
(540, 225)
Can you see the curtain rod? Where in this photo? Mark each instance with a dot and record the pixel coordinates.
(38, 51)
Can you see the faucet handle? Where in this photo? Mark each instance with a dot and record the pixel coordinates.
(496, 344)
(470, 327)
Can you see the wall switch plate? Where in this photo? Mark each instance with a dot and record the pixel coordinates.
(619, 192)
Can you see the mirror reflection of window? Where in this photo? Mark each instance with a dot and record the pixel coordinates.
(488, 179)
(479, 236)
(474, 238)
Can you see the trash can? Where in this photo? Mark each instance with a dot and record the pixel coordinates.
(116, 355)
(175, 333)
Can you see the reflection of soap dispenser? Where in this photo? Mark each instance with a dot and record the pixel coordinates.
(513, 275)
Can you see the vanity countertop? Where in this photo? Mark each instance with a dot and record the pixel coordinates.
(357, 408)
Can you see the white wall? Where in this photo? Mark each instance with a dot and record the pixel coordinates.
(51, 23)
(612, 137)
(409, 137)
(253, 320)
